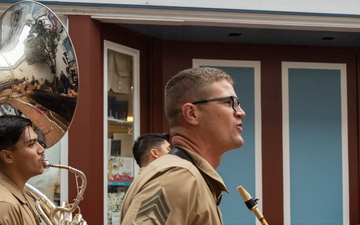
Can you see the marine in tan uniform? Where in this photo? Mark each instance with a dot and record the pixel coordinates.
(21, 157)
(149, 147)
(175, 192)
(15, 208)
(204, 116)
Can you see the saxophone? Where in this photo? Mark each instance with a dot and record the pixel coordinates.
(60, 215)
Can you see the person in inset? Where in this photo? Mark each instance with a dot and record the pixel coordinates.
(72, 92)
(65, 82)
(32, 80)
(21, 158)
(183, 187)
(149, 147)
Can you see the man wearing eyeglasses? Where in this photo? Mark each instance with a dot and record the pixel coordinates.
(183, 187)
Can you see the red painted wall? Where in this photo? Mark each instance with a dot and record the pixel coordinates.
(86, 131)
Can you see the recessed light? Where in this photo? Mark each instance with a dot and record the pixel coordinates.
(328, 38)
(234, 34)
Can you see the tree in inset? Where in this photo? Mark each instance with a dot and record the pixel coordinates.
(41, 46)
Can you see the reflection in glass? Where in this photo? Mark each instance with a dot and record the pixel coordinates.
(38, 69)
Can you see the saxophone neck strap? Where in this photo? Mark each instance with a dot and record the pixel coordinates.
(182, 154)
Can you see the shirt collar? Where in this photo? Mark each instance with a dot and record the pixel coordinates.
(12, 187)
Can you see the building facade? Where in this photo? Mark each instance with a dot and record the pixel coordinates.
(296, 67)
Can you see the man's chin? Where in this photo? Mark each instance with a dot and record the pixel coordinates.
(239, 145)
(41, 171)
(240, 142)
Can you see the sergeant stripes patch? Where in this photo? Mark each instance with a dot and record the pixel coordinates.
(154, 208)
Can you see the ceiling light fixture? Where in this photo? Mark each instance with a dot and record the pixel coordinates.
(328, 38)
(234, 34)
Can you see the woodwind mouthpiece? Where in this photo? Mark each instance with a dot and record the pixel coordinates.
(46, 164)
(251, 203)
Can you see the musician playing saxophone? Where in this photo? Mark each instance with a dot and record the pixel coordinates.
(21, 157)
(183, 187)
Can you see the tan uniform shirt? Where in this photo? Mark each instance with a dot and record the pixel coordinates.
(14, 207)
(172, 191)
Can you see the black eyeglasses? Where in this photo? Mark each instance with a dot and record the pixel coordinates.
(234, 101)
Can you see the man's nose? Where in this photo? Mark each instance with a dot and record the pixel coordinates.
(41, 149)
(240, 112)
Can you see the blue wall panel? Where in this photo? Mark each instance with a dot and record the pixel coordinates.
(238, 166)
(315, 144)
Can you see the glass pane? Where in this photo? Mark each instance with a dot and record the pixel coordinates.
(120, 163)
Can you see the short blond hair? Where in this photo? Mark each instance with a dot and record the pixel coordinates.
(190, 85)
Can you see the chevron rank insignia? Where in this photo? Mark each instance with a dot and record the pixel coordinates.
(154, 210)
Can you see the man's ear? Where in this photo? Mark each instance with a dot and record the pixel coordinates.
(6, 156)
(154, 153)
(189, 112)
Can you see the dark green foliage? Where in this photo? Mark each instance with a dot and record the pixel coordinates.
(41, 45)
